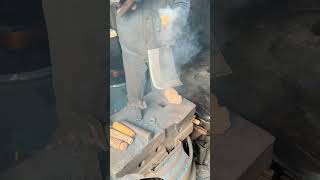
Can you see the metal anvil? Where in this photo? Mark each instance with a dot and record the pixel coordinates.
(171, 125)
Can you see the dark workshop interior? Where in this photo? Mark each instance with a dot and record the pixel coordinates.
(27, 99)
(273, 93)
(273, 50)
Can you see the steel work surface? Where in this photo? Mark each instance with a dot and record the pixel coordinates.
(243, 152)
(165, 115)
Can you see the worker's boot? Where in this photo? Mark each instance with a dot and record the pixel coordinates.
(133, 111)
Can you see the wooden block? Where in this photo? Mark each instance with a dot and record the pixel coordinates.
(123, 129)
(116, 134)
(118, 144)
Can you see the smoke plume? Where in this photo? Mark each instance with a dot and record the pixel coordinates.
(187, 38)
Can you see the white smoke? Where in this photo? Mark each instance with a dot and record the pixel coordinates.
(187, 39)
(187, 46)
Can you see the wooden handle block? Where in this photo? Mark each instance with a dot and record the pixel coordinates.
(123, 129)
(138, 130)
(116, 134)
(118, 144)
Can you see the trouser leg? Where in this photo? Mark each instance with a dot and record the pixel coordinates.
(135, 71)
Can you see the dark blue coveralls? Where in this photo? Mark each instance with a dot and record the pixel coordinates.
(140, 30)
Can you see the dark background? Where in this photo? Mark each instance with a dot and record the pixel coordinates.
(273, 50)
(21, 12)
(78, 76)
